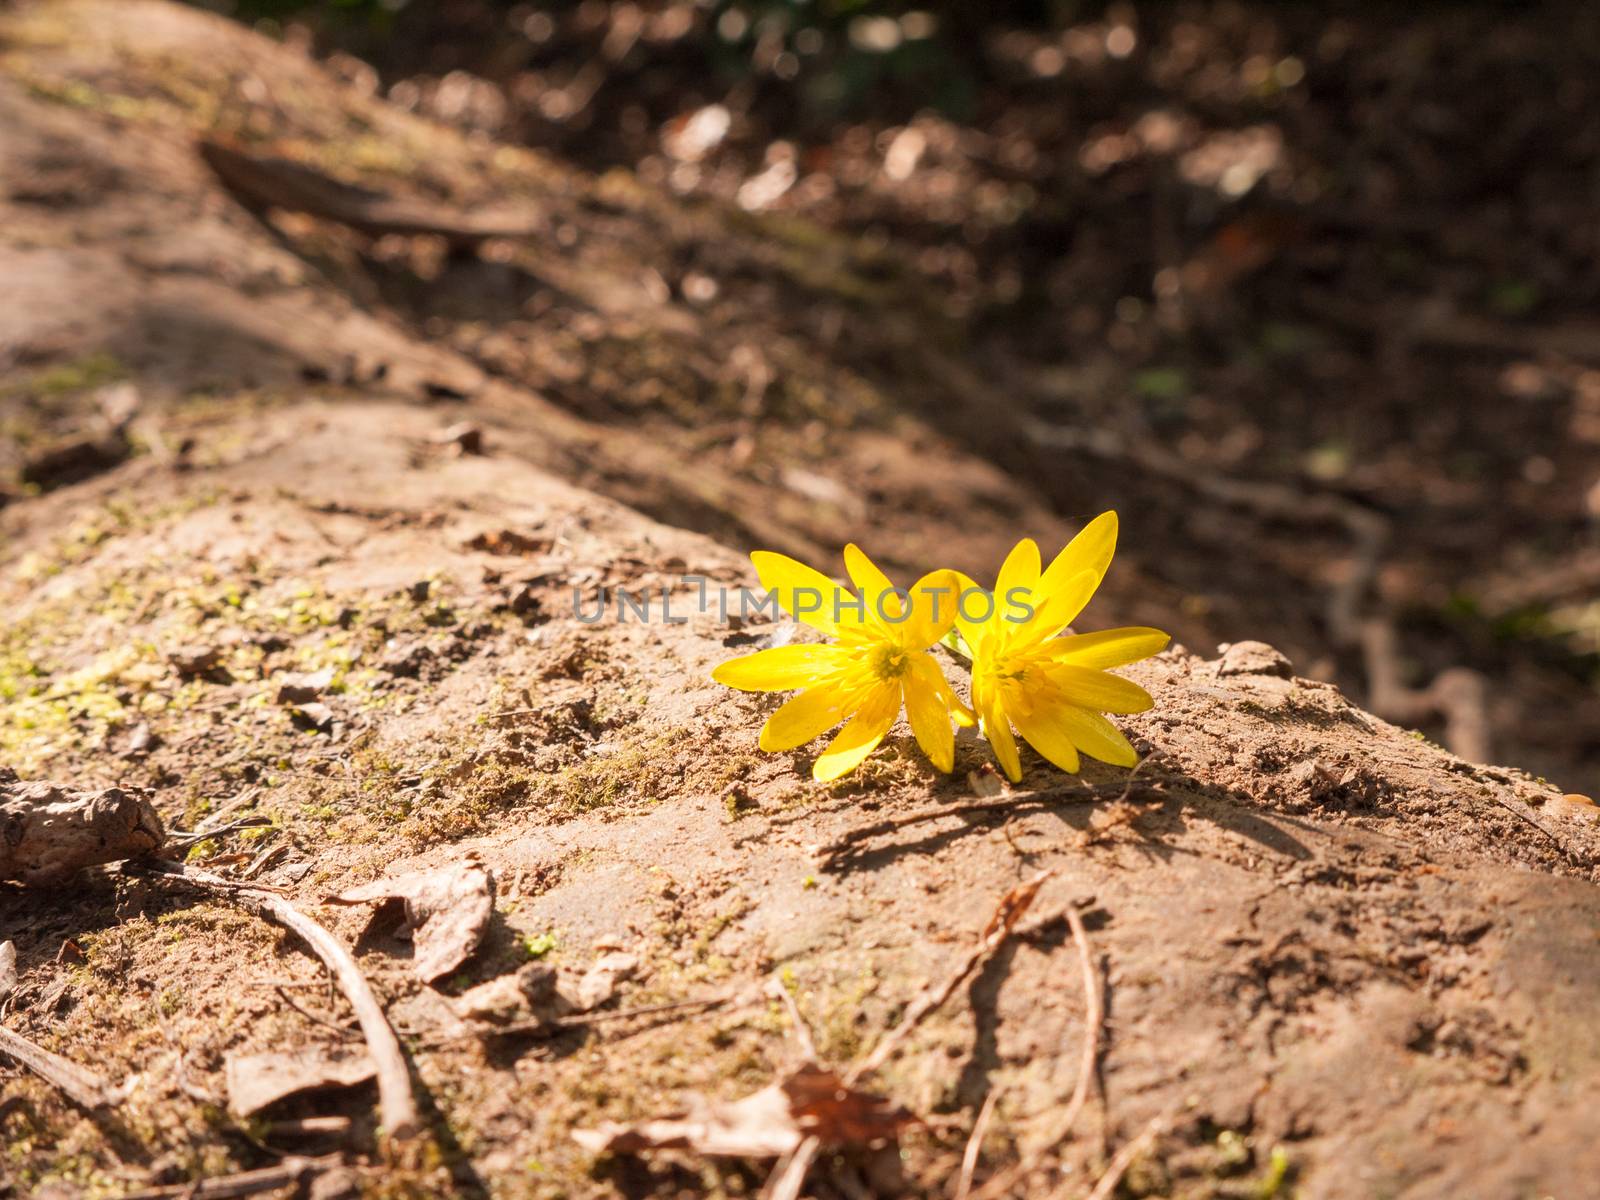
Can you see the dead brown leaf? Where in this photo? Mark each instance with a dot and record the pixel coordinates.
(447, 912)
(528, 993)
(599, 983)
(257, 1081)
(8, 969)
(811, 1102)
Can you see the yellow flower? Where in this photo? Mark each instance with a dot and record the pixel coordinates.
(878, 662)
(1053, 689)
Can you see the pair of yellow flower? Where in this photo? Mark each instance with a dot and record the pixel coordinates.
(1052, 688)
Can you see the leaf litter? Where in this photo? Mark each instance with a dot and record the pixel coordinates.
(447, 912)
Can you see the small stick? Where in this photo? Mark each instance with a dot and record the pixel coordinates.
(205, 826)
(1006, 915)
(523, 1028)
(1094, 792)
(263, 860)
(1093, 1021)
(648, 1010)
(397, 1106)
(80, 1084)
(310, 1127)
(180, 838)
(343, 1031)
(1530, 821)
(290, 1171)
(203, 880)
(1123, 1159)
(969, 1160)
(789, 1176)
(802, 1031)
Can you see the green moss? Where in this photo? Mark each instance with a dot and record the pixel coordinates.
(67, 378)
(539, 945)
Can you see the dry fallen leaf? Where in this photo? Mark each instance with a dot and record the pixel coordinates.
(599, 983)
(256, 1081)
(8, 969)
(527, 994)
(48, 831)
(447, 912)
(809, 1102)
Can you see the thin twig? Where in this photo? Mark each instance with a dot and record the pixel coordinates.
(180, 838)
(969, 1160)
(583, 1021)
(1007, 913)
(1088, 1063)
(802, 1031)
(397, 1105)
(81, 1085)
(264, 859)
(344, 1031)
(290, 1171)
(1123, 1159)
(308, 1127)
(789, 1176)
(1090, 794)
(649, 1010)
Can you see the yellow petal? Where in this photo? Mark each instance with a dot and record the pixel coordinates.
(1062, 586)
(861, 735)
(1054, 611)
(803, 592)
(1020, 570)
(933, 610)
(1108, 648)
(781, 669)
(1093, 734)
(1100, 690)
(962, 715)
(1091, 550)
(807, 716)
(872, 585)
(1049, 736)
(928, 711)
(975, 612)
(998, 730)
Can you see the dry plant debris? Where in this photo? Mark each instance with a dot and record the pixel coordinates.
(80, 1084)
(294, 1171)
(262, 183)
(1012, 908)
(813, 1106)
(8, 969)
(599, 983)
(396, 1103)
(49, 832)
(537, 995)
(446, 913)
(811, 1101)
(258, 1081)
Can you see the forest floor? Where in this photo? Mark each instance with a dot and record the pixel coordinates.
(1326, 955)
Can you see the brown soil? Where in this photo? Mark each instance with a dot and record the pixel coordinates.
(1347, 961)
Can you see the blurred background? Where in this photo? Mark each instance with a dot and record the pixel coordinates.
(1331, 271)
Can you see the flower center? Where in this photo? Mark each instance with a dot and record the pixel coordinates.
(890, 662)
